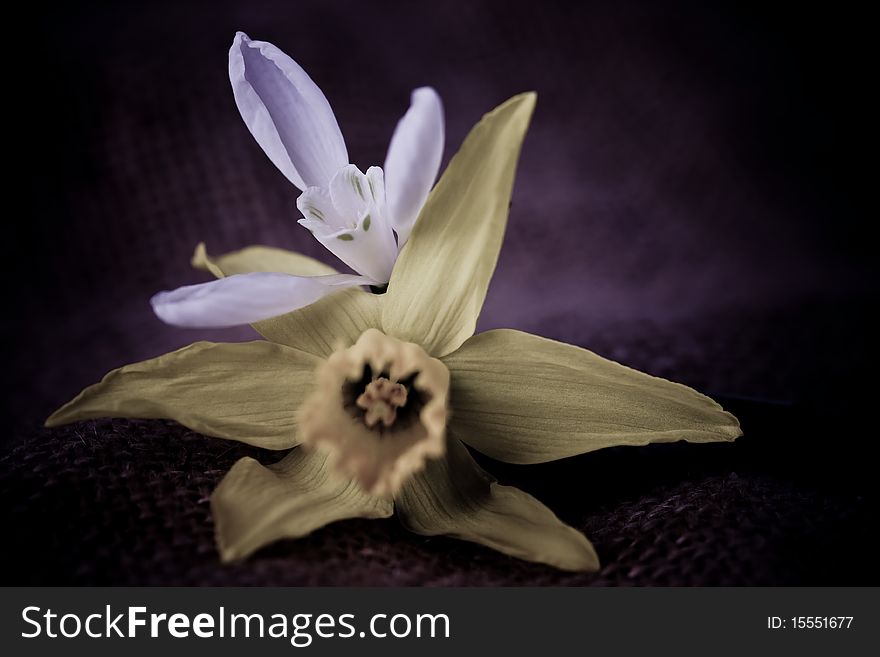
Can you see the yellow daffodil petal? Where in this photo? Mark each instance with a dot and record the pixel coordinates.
(440, 279)
(321, 327)
(258, 258)
(256, 505)
(247, 392)
(524, 399)
(453, 496)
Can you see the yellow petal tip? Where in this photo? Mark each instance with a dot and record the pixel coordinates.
(524, 102)
(60, 417)
(199, 258)
(591, 562)
(228, 556)
(528, 96)
(583, 560)
(732, 429)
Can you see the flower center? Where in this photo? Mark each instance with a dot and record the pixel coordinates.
(381, 399)
(379, 410)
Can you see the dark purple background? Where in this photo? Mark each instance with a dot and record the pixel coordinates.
(692, 200)
(686, 165)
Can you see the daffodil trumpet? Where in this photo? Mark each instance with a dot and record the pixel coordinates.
(376, 395)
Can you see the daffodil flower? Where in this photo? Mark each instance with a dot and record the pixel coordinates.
(378, 394)
(362, 218)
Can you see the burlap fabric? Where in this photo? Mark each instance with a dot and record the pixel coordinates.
(126, 502)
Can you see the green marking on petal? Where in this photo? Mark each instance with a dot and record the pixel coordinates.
(346, 237)
(367, 222)
(372, 189)
(356, 183)
(315, 212)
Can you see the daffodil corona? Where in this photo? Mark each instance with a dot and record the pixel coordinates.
(390, 387)
(379, 409)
